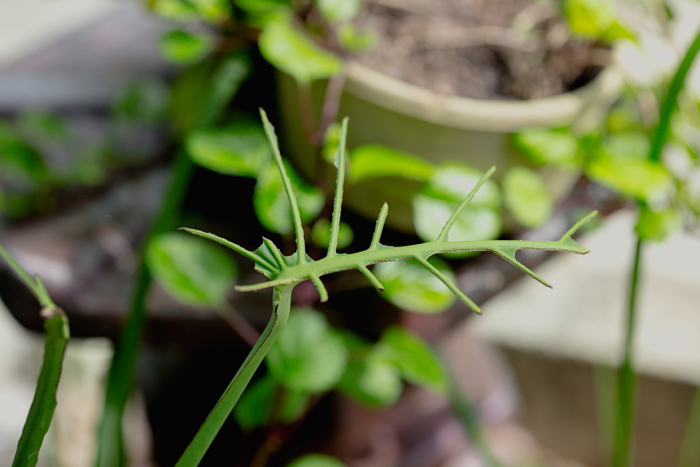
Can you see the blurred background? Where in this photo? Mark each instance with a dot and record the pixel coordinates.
(121, 121)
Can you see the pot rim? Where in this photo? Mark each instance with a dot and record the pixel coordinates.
(477, 114)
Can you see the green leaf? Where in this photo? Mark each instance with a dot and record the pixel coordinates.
(448, 186)
(183, 48)
(373, 160)
(143, 100)
(414, 358)
(308, 355)
(258, 401)
(294, 53)
(544, 146)
(657, 225)
(178, 10)
(338, 10)
(408, 285)
(263, 6)
(330, 142)
(321, 230)
(589, 18)
(203, 91)
(272, 205)
(371, 383)
(241, 149)
(42, 125)
(316, 460)
(19, 159)
(639, 178)
(526, 196)
(629, 144)
(192, 270)
(355, 40)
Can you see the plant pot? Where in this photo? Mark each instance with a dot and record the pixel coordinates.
(386, 111)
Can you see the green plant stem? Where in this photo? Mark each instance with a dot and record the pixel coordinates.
(690, 450)
(670, 101)
(194, 453)
(627, 378)
(120, 379)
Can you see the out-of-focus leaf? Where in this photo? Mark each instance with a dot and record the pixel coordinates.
(178, 10)
(544, 146)
(42, 125)
(203, 90)
(316, 460)
(183, 47)
(446, 188)
(263, 6)
(526, 196)
(192, 270)
(627, 145)
(294, 53)
(373, 160)
(240, 149)
(338, 10)
(143, 100)
(355, 40)
(632, 176)
(19, 159)
(414, 358)
(657, 225)
(320, 233)
(371, 383)
(410, 286)
(590, 18)
(212, 10)
(271, 203)
(308, 355)
(257, 402)
(330, 142)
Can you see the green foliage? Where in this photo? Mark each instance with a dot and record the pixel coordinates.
(240, 149)
(308, 355)
(544, 146)
(526, 196)
(595, 19)
(338, 10)
(321, 233)
(316, 460)
(259, 401)
(183, 47)
(144, 100)
(355, 40)
(373, 161)
(292, 52)
(408, 285)
(190, 269)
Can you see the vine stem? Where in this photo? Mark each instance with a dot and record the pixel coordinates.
(207, 432)
(626, 376)
(120, 379)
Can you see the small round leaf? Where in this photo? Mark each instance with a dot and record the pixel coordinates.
(316, 460)
(526, 196)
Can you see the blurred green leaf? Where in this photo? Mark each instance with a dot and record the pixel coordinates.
(657, 225)
(183, 47)
(271, 203)
(308, 355)
(544, 146)
(589, 18)
(258, 401)
(192, 270)
(627, 145)
(292, 52)
(263, 6)
(19, 159)
(371, 383)
(143, 100)
(240, 149)
(179, 10)
(203, 91)
(351, 38)
(526, 196)
(445, 190)
(639, 178)
(320, 233)
(330, 142)
(373, 160)
(414, 358)
(338, 10)
(316, 460)
(410, 286)
(42, 125)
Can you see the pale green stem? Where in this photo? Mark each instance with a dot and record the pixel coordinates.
(211, 426)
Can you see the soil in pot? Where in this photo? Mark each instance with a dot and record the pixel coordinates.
(482, 49)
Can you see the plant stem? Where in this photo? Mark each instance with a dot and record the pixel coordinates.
(44, 402)
(670, 101)
(627, 378)
(120, 378)
(690, 450)
(221, 411)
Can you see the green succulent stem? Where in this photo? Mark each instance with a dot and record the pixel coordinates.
(194, 453)
(44, 402)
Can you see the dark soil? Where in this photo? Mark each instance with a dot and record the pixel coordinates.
(483, 49)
